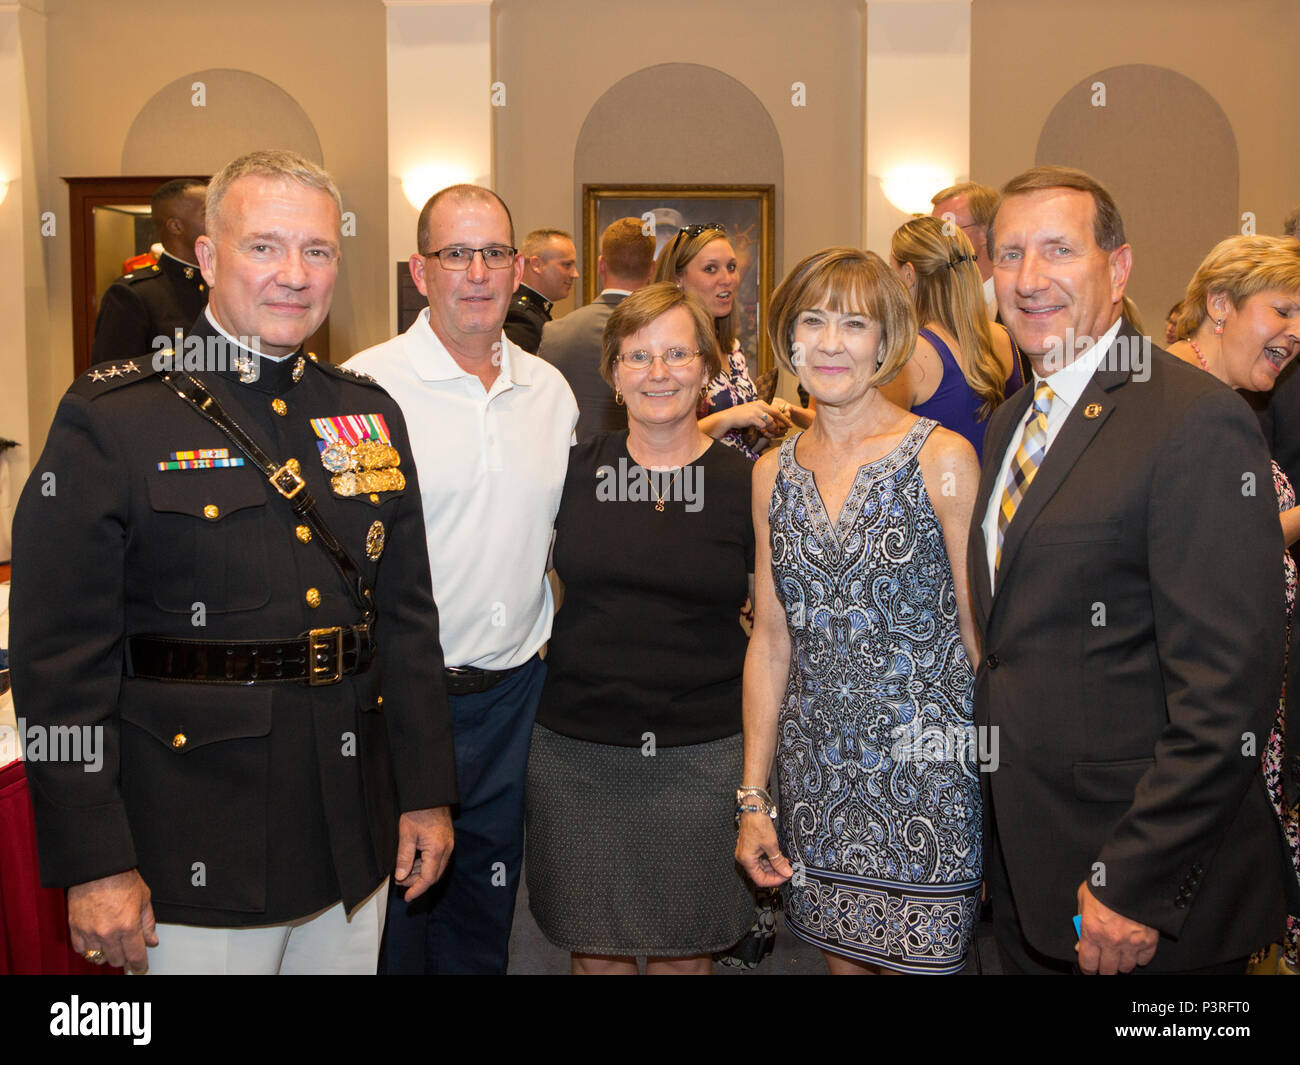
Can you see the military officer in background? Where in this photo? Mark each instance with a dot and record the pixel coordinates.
(157, 300)
(550, 269)
(245, 620)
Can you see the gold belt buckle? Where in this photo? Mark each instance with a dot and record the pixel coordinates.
(319, 642)
(294, 479)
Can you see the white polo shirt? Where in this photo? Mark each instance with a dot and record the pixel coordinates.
(491, 466)
(1067, 384)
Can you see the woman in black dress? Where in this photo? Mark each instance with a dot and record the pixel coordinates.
(637, 749)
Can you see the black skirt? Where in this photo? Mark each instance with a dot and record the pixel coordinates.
(631, 854)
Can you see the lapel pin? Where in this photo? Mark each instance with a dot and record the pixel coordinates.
(1092, 410)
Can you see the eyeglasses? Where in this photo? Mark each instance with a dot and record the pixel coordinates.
(674, 358)
(456, 257)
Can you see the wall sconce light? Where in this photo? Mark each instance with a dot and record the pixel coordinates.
(422, 182)
(909, 187)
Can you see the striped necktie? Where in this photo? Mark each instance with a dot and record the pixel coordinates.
(1028, 457)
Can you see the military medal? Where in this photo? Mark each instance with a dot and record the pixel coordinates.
(356, 449)
(337, 457)
(375, 541)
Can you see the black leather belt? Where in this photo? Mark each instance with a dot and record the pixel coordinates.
(466, 680)
(322, 656)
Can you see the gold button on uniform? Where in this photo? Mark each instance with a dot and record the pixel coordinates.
(374, 498)
(212, 511)
(303, 533)
(379, 701)
(279, 406)
(179, 740)
(313, 598)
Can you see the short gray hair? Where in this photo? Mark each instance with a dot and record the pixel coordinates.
(284, 165)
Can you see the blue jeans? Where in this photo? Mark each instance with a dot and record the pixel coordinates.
(462, 924)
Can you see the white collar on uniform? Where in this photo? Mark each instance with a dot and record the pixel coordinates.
(183, 262)
(237, 342)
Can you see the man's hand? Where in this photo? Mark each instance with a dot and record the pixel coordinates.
(1110, 942)
(429, 833)
(113, 915)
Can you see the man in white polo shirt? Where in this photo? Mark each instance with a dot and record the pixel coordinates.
(490, 428)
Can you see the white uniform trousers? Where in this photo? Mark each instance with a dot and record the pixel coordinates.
(327, 943)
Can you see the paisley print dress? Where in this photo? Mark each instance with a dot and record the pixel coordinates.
(876, 757)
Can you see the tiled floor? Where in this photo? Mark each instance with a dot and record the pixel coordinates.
(531, 953)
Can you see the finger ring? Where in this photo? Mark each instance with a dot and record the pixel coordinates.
(765, 417)
(96, 956)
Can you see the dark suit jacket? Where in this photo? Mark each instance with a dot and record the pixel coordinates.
(287, 795)
(528, 313)
(1134, 638)
(572, 345)
(145, 304)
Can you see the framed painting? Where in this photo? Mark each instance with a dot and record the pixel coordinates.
(747, 212)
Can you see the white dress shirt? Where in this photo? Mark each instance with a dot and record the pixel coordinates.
(491, 465)
(1067, 384)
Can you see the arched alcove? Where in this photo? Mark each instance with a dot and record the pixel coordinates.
(198, 123)
(680, 124)
(1166, 151)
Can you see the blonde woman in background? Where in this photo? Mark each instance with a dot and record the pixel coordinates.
(1241, 323)
(963, 366)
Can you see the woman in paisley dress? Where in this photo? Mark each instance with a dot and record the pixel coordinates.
(1241, 323)
(701, 261)
(858, 679)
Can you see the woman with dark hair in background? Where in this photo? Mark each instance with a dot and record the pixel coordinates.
(963, 366)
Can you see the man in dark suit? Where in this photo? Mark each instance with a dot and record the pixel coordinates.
(1125, 573)
(155, 301)
(572, 344)
(203, 615)
(550, 269)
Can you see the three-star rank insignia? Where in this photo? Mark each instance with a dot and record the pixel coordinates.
(115, 370)
(375, 541)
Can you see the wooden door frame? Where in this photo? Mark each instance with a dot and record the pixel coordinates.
(84, 195)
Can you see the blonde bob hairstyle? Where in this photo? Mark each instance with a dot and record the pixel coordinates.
(845, 280)
(1238, 268)
(676, 257)
(640, 309)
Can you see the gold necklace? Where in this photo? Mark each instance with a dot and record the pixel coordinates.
(659, 503)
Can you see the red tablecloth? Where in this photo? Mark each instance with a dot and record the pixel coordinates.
(33, 919)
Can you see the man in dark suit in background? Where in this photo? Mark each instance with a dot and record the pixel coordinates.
(1125, 575)
(550, 269)
(155, 301)
(572, 344)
